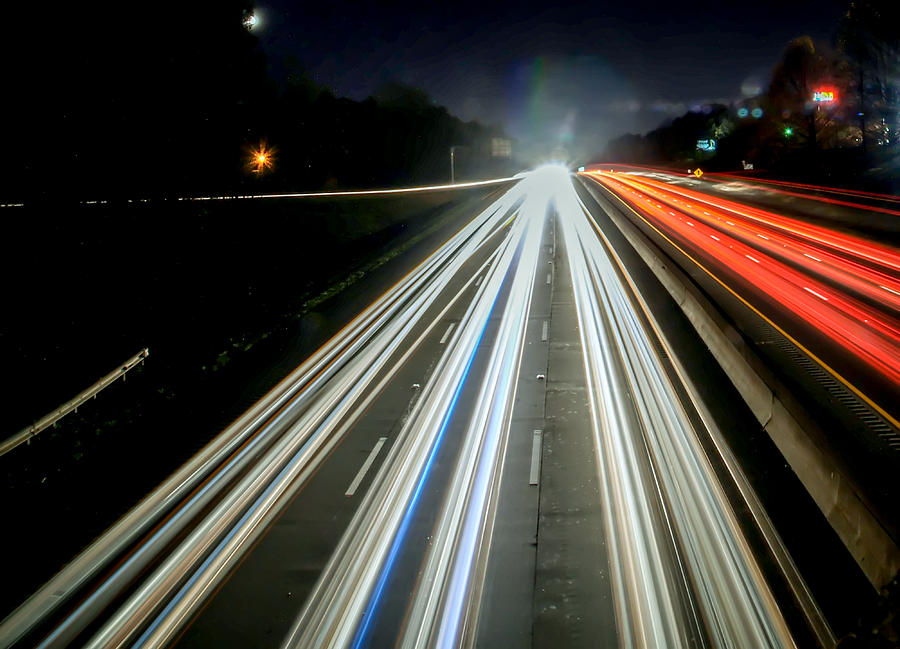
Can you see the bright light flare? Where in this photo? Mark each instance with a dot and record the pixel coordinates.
(251, 21)
(261, 159)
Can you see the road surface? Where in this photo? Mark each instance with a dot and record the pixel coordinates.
(503, 449)
(825, 301)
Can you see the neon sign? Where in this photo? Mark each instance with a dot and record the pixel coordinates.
(823, 95)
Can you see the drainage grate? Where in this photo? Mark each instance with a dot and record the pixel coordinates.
(870, 419)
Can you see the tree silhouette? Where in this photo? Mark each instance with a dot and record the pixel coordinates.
(869, 36)
(799, 72)
(138, 101)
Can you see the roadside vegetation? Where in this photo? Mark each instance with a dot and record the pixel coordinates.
(830, 113)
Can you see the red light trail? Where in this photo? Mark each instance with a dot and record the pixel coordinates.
(864, 267)
(759, 182)
(812, 272)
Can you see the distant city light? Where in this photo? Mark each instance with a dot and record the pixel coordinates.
(743, 112)
(824, 96)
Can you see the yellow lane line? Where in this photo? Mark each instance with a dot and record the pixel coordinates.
(881, 411)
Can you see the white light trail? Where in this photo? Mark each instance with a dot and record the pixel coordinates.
(349, 585)
(668, 594)
(341, 395)
(681, 570)
(447, 600)
(351, 192)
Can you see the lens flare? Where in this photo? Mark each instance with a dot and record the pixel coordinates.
(261, 159)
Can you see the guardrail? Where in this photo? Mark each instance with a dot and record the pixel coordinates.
(24, 435)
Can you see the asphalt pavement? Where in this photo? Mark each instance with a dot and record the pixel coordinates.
(289, 558)
(501, 450)
(847, 396)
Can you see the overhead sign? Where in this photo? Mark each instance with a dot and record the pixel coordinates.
(706, 145)
(823, 95)
(501, 147)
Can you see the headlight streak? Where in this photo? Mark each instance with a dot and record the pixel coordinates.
(373, 359)
(444, 608)
(635, 410)
(682, 572)
(214, 465)
(403, 305)
(345, 600)
(352, 192)
(867, 333)
(647, 591)
(814, 616)
(206, 464)
(674, 532)
(372, 609)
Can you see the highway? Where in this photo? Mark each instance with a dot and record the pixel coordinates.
(521, 443)
(846, 285)
(818, 299)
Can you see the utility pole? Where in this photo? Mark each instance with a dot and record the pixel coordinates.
(453, 162)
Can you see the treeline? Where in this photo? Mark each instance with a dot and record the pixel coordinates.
(849, 134)
(130, 101)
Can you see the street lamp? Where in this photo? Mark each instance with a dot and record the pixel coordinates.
(261, 159)
(453, 161)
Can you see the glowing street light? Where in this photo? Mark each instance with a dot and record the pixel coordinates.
(261, 159)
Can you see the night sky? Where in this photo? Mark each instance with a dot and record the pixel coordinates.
(571, 77)
(576, 75)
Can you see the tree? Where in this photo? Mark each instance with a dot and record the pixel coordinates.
(127, 100)
(801, 70)
(869, 36)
